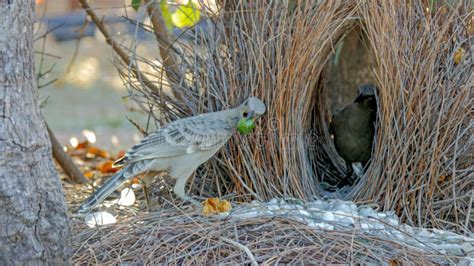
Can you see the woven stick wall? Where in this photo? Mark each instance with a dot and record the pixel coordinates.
(421, 165)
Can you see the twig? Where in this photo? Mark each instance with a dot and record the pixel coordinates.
(164, 40)
(243, 248)
(120, 52)
(65, 160)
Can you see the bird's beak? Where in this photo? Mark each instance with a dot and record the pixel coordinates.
(251, 115)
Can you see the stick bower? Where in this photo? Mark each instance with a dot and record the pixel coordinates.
(421, 166)
(172, 237)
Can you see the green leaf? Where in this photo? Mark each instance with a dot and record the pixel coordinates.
(166, 14)
(136, 4)
(245, 126)
(186, 16)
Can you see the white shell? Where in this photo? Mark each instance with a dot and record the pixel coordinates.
(127, 197)
(99, 218)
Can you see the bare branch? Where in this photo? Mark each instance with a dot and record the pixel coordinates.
(65, 160)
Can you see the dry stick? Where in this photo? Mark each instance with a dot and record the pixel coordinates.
(164, 40)
(65, 160)
(241, 247)
(120, 52)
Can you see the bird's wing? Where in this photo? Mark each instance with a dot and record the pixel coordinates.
(184, 136)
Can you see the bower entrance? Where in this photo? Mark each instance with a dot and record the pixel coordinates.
(350, 66)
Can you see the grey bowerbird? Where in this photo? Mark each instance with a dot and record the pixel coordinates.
(179, 148)
(353, 129)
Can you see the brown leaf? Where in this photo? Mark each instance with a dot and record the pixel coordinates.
(93, 152)
(82, 145)
(214, 206)
(89, 174)
(106, 167)
(458, 55)
(224, 206)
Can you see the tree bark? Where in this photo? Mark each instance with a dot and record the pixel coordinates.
(34, 227)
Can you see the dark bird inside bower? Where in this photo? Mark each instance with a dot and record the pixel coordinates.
(353, 129)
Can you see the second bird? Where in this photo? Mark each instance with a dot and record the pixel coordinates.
(353, 129)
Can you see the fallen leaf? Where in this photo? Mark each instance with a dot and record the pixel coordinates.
(82, 145)
(224, 206)
(106, 167)
(89, 174)
(93, 151)
(458, 55)
(215, 206)
(394, 262)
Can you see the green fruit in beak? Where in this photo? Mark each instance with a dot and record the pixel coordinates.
(245, 126)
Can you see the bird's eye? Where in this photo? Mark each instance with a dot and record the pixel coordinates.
(244, 114)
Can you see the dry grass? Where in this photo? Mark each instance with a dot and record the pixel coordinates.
(422, 165)
(174, 237)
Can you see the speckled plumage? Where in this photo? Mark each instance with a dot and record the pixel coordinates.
(177, 149)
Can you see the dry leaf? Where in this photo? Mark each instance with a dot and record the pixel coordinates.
(224, 206)
(458, 55)
(215, 206)
(89, 174)
(82, 145)
(93, 151)
(394, 262)
(106, 167)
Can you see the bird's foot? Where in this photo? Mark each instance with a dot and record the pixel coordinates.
(358, 171)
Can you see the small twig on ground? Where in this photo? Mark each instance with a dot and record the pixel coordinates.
(243, 248)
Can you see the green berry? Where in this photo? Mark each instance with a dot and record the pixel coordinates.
(245, 126)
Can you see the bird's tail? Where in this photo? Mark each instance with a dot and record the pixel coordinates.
(106, 189)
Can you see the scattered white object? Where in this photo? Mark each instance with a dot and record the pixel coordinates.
(367, 212)
(324, 226)
(90, 136)
(127, 197)
(328, 216)
(74, 142)
(99, 218)
(335, 214)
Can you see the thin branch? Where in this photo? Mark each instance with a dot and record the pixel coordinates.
(65, 160)
(120, 52)
(164, 40)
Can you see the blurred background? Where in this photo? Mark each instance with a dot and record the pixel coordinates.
(80, 90)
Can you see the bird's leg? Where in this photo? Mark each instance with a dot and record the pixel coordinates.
(348, 179)
(358, 170)
(179, 188)
(147, 180)
(147, 195)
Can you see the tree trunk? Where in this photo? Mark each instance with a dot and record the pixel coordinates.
(34, 227)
